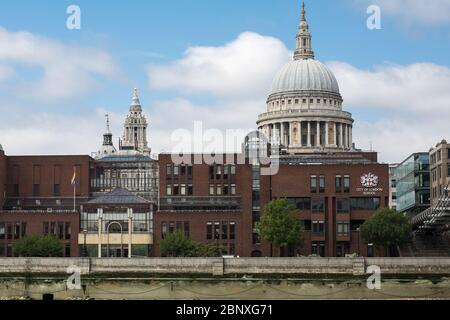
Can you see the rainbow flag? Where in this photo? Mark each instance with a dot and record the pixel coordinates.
(74, 177)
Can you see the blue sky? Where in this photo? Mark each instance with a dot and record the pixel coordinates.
(137, 34)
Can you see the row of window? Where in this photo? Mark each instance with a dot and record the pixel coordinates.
(343, 205)
(342, 227)
(221, 230)
(62, 230)
(218, 189)
(304, 101)
(13, 230)
(342, 183)
(179, 190)
(178, 170)
(219, 171)
(437, 156)
(175, 226)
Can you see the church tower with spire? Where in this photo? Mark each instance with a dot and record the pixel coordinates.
(107, 148)
(135, 128)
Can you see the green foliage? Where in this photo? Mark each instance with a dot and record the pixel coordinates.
(39, 246)
(279, 224)
(213, 250)
(178, 245)
(386, 228)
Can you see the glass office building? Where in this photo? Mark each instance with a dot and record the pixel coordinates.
(413, 184)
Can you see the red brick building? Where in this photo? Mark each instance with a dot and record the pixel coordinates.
(221, 202)
(38, 198)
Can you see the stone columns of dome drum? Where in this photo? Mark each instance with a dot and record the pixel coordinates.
(318, 133)
(309, 134)
(351, 136)
(341, 135)
(335, 134)
(326, 134)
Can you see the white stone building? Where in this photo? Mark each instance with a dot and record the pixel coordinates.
(304, 107)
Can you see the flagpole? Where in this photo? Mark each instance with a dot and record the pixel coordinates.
(74, 189)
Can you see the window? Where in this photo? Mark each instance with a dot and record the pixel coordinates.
(163, 230)
(311, 100)
(168, 170)
(176, 190)
(364, 203)
(318, 227)
(322, 184)
(224, 230)
(186, 229)
(36, 190)
(301, 203)
(343, 205)
(303, 100)
(338, 183)
(56, 190)
(296, 101)
(347, 184)
(45, 229)
(218, 171)
(61, 230)
(183, 189)
(211, 172)
(189, 171)
(183, 170)
(226, 189)
(176, 170)
(211, 190)
(318, 248)
(216, 230)
(343, 228)
(233, 189)
(2, 232)
(225, 171)
(190, 190)
(171, 227)
(219, 190)
(169, 190)
(68, 231)
(208, 230)
(313, 183)
(318, 205)
(232, 230)
(370, 250)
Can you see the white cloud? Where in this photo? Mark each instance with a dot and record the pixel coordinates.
(419, 87)
(423, 12)
(411, 104)
(67, 70)
(243, 67)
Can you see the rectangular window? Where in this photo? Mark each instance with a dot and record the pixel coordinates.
(322, 184)
(190, 190)
(216, 230)
(183, 170)
(318, 205)
(218, 172)
(364, 203)
(313, 184)
(233, 169)
(211, 189)
(176, 170)
(186, 229)
(68, 231)
(169, 190)
(23, 230)
(189, 171)
(225, 171)
(176, 190)
(232, 230)
(347, 184)
(343, 205)
(168, 170)
(2, 232)
(318, 227)
(233, 189)
(209, 230)
(61, 230)
(343, 228)
(171, 227)
(45, 228)
(224, 230)
(163, 230)
(219, 190)
(338, 183)
(56, 190)
(301, 203)
(17, 230)
(226, 189)
(183, 190)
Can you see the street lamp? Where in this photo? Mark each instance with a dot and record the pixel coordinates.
(84, 246)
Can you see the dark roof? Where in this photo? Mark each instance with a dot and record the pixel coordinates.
(119, 196)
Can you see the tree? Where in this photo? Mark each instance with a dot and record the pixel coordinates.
(386, 228)
(178, 245)
(279, 224)
(39, 246)
(213, 250)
